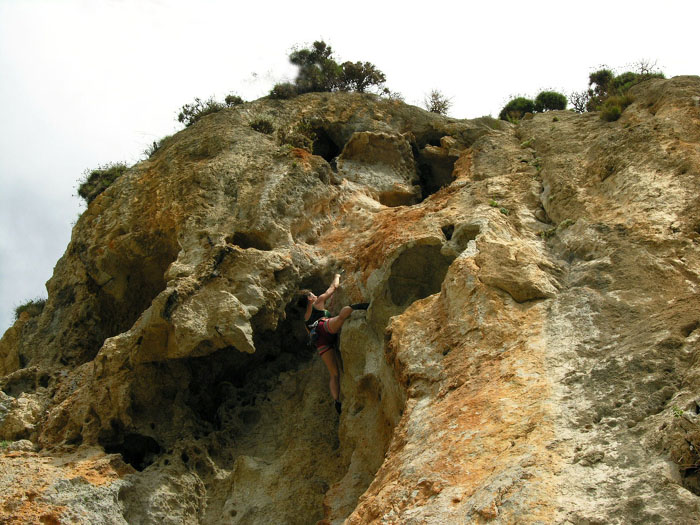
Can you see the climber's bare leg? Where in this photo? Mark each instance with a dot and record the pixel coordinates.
(335, 323)
(332, 364)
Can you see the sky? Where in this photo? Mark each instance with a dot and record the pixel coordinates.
(88, 82)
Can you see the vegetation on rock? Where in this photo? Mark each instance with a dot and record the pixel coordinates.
(150, 150)
(191, 113)
(607, 92)
(300, 135)
(33, 307)
(549, 100)
(262, 125)
(319, 72)
(516, 108)
(99, 179)
(437, 102)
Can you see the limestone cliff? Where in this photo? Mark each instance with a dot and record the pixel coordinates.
(530, 354)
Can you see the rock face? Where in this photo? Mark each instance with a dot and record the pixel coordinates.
(530, 354)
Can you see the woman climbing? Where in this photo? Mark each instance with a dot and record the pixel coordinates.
(326, 328)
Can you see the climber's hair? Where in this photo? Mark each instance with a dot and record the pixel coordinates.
(303, 299)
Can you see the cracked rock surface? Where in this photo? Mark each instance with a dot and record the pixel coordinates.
(530, 354)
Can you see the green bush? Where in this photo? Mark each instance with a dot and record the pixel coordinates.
(549, 100)
(610, 112)
(284, 90)
(604, 84)
(302, 135)
(233, 100)
(262, 125)
(319, 72)
(612, 108)
(600, 80)
(516, 108)
(438, 103)
(391, 95)
(150, 150)
(358, 76)
(33, 307)
(191, 113)
(317, 69)
(99, 179)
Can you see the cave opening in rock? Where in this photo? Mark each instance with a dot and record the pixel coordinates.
(18, 384)
(691, 480)
(417, 273)
(448, 230)
(136, 278)
(138, 450)
(229, 381)
(250, 239)
(429, 137)
(434, 173)
(434, 165)
(324, 146)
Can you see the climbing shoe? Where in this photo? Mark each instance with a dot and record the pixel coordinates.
(338, 406)
(359, 306)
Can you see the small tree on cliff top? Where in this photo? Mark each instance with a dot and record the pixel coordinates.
(319, 72)
(437, 102)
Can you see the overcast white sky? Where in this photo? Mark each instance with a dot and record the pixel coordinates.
(86, 82)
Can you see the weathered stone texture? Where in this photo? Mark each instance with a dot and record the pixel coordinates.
(530, 354)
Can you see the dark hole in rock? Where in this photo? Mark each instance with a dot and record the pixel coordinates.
(417, 273)
(136, 278)
(430, 139)
(248, 240)
(44, 380)
(434, 170)
(229, 374)
(20, 382)
(325, 147)
(690, 328)
(75, 440)
(138, 450)
(448, 230)
(397, 198)
(226, 396)
(691, 480)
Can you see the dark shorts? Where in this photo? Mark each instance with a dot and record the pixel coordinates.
(326, 340)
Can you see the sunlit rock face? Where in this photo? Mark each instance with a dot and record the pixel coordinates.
(530, 354)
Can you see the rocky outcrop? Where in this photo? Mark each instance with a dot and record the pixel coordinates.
(530, 353)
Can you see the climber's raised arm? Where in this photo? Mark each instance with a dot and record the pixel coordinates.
(320, 302)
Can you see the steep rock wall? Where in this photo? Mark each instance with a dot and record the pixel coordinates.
(530, 354)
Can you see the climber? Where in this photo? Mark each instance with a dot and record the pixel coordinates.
(318, 320)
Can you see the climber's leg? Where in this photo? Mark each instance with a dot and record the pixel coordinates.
(335, 323)
(332, 364)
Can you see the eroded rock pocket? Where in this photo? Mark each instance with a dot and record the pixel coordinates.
(417, 273)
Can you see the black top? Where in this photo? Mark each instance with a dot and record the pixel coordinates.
(316, 314)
